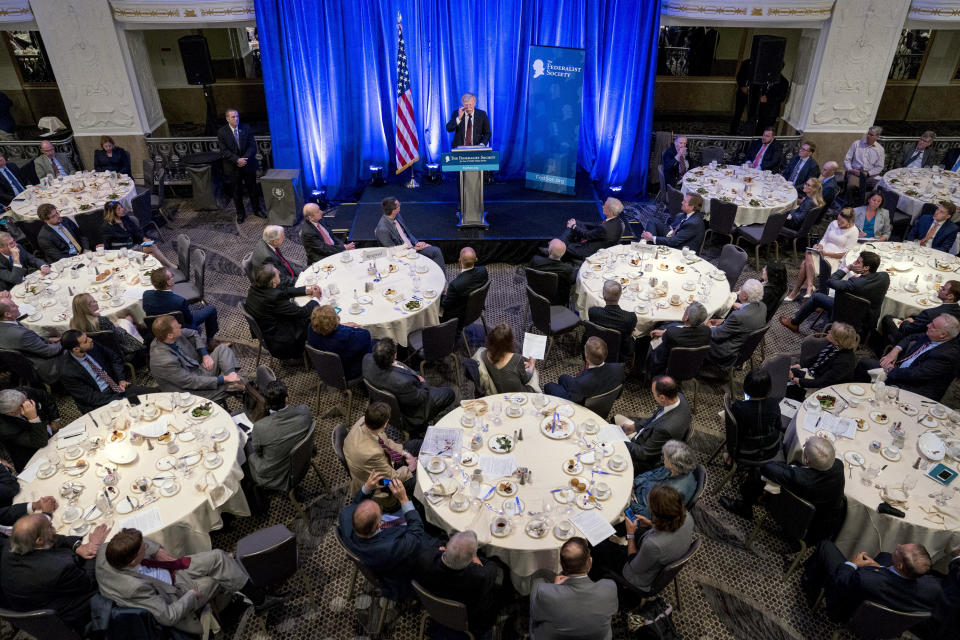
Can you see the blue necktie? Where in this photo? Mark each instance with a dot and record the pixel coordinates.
(796, 171)
(59, 167)
(17, 187)
(956, 165)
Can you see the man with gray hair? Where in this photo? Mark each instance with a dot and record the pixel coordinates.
(689, 332)
(43, 353)
(583, 239)
(674, 161)
(267, 251)
(16, 262)
(26, 423)
(864, 159)
(919, 154)
(828, 185)
(611, 316)
(553, 262)
(728, 335)
(471, 125)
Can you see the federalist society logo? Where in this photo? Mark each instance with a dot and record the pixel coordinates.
(555, 70)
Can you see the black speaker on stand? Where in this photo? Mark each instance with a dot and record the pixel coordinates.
(766, 55)
(199, 69)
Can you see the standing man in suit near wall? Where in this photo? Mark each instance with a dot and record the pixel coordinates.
(51, 163)
(471, 125)
(11, 182)
(239, 152)
(317, 240)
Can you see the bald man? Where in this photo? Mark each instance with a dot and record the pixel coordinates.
(472, 276)
(51, 163)
(553, 262)
(317, 240)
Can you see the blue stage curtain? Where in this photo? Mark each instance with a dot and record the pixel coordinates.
(329, 70)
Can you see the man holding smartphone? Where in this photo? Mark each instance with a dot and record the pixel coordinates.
(368, 449)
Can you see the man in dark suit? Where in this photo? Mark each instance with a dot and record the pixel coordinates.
(453, 302)
(769, 96)
(419, 402)
(765, 153)
(239, 152)
(93, 375)
(936, 231)
(686, 229)
(26, 425)
(267, 251)
(11, 182)
(283, 321)
(866, 281)
(951, 159)
(729, 334)
(828, 188)
(919, 154)
(317, 240)
(42, 353)
(583, 239)
(671, 421)
(922, 363)
(611, 316)
(471, 125)
(691, 332)
(58, 237)
(274, 436)
(802, 166)
(161, 300)
(894, 331)
(16, 262)
(392, 231)
(946, 614)
(597, 378)
(553, 263)
(675, 162)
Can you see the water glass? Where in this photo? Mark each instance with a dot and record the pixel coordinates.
(909, 483)
(868, 475)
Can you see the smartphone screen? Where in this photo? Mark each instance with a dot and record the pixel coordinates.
(148, 243)
(337, 309)
(746, 396)
(629, 513)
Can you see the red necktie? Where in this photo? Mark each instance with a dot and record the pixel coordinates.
(756, 161)
(103, 375)
(468, 140)
(683, 165)
(285, 263)
(395, 458)
(323, 232)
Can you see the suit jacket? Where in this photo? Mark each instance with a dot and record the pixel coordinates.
(578, 608)
(45, 167)
(688, 232)
(44, 355)
(119, 162)
(881, 222)
(950, 158)
(387, 234)
(6, 189)
(837, 369)
(83, 387)
(922, 319)
(851, 586)
(230, 152)
(824, 489)
(872, 286)
(156, 303)
(566, 276)
(646, 445)
(11, 275)
(127, 234)
(365, 455)
(931, 373)
(11, 513)
(313, 243)
(772, 158)
(946, 234)
(481, 129)
(946, 615)
(52, 246)
(22, 439)
(453, 303)
(829, 190)
(587, 238)
(350, 343)
(9, 488)
(589, 382)
(926, 156)
(810, 170)
(172, 372)
(612, 316)
(727, 338)
(283, 321)
(273, 438)
(265, 254)
(671, 168)
(413, 396)
(677, 335)
(474, 586)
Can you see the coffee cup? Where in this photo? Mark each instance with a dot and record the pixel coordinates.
(184, 397)
(212, 458)
(169, 485)
(45, 466)
(355, 308)
(601, 490)
(563, 528)
(891, 451)
(675, 298)
(617, 460)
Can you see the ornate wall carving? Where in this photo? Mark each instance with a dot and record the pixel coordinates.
(180, 12)
(143, 75)
(15, 11)
(935, 10)
(749, 11)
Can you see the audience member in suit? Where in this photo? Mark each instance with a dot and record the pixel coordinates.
(611, 316)
(274, 436)
(671, 421)
(583, 239)
(919, 154)
(675, 162)
(346, 339)
(828, 182)
(25, 424)
(469, 119)
(834, 364)
(690, 332)
(553, 262)
(810, 199)
(802, 166)
(392, 231)
(774, 279)
(93, 375)
(924, 363)
(51, 163)
(419, 402)
(573, 605)
(936, 231)
(42, 353)
(597, 378)
(120, 230)
(16, 262)
(162, 300)
(238, 148)
(686, 229)
(872, 219)
(283, 322)
(453, 302)
(42, 570)
(951, 159)
(368, 450)
(679, 462)
(267, 251)
(12, 183)
(509, 371)
(110, 157)
(58, 238)
(179, 362)
(949, 295)
(10, 513)
(896, 580)
(866, 281)
(765, 153)
(946, 614)
(729, 334)
(318, 241)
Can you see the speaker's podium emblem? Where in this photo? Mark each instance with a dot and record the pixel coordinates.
(279, 193)
(446, 158)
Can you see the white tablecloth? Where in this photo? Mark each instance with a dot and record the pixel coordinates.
(618, 263)
(757, 194)
(382, 316)
(53, 301)
(76, 194)
(917, 187)
(185, 518)
(865, 529)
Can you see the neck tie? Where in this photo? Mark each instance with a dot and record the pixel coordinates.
(236, 137)
(956, 165)
(932, 231)
(59, 167)
(285, 263)
(69, 236)
(683, 164)
(756, 160)
(796, 171)
(916, 154)
(323, 232)
(403, 236)
(190, 362)
(395, 458)
(12, 179)
(468, 139)
(909, 360)
(100, 373)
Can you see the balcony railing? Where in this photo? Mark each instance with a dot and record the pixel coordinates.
(168, 154)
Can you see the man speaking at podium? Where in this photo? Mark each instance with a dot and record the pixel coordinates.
(471, 124)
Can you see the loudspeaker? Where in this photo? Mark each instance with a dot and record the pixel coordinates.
(196, 60)
(767, 56)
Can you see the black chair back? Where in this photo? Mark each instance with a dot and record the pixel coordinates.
(674, 200)
(106, 340)
(602, 404)
(28, 232)
(379, 395)
(28, 173)
(670, 571)
(90, 223)
(731, 262)
(269, 555)
(711, 153)
(134, 622)
(542, 282)
(439, 341)
(476, 302)
(328, 366)
(778, 367)
(722, 216)
(20, 368)
(140, 204)
(684, 363)
(148, 323)
(610, 336)
(872, 621)
(890, 199)
(772, 309)
(337, 437)
(183, 254)
(246, 263)
(448, 613)
(300, 458)
(700, 473)
(42, 624)
(539, 310)
(854, 310)
(750, 345)
(265, 376)
(792, 513)
(772, 228)
(368, 573)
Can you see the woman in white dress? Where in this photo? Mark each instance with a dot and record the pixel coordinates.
(841, 236)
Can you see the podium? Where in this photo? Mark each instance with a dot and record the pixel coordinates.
(470, 163)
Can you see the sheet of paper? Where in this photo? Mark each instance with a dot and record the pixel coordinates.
(812, 420)
(242, 421)
(534, 346)
(133, 293)
(494, 466)
(611, 433)
(73, 429)
(146, 520)
(29, 473)
(442, 441)
(654, 343)
(789, 408)
(593, 527)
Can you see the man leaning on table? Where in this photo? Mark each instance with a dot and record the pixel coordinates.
(59, 237)
(93, 375)
(318, 241)
(43, 353)
(16, 262)
(895, 330)
(179, 362)
(11, 182)
(51, 163)
(936, 231)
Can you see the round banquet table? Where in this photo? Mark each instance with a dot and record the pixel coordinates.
(384, 310)
(709, 284)
(909, 266)
(917, 187)
(49, 299)
(545, 458)
(79, 193)
(181, 522)
(766, 193)
(864, 528)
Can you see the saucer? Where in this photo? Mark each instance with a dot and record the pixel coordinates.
(459, 503)
(855, 389)
(127, 505)
(171, 492)
(892, 458)
(49, 473)
(212, 465)
(500, 527)
(436, 465)
(568, 534)
(469, 458)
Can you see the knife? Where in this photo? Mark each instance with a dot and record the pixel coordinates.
(129, 502)
(489, 493)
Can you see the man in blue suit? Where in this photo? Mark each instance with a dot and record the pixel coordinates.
(674, 161)
(162, 300)
(686, 229)
(936, 231)
(802, 166)
(599, 377)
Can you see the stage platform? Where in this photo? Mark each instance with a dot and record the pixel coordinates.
(520, 219)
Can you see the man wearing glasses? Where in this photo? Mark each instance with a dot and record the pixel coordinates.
(802, 166)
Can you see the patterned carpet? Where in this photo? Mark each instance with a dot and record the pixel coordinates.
(755, 575)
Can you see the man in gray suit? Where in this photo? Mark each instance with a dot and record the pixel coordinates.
(392, 231)
(179, 362)
(574, 606)
(51, 163)
(44, 354)
(729, 334)
(671, 421)
(274, 437)
(919, 154)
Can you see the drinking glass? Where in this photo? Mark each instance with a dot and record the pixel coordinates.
(878, 393)
(909, 483)
(868, 475)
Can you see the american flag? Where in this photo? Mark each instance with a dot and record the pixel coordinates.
(406, 142)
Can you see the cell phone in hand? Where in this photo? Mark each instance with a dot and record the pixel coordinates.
(148, 243)
(631, 516)
(384, 482)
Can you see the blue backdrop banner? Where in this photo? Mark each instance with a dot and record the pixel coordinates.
(553, 118)
(330, 77)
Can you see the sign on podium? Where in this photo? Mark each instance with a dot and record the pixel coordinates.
(470, 163)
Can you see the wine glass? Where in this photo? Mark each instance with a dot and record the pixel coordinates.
(909, 482)
(878, 388)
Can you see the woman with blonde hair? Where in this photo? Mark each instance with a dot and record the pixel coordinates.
(87, 318)
(348, 340)
(120, 231)
(833, 364)
(812, 198)
(841, 236)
